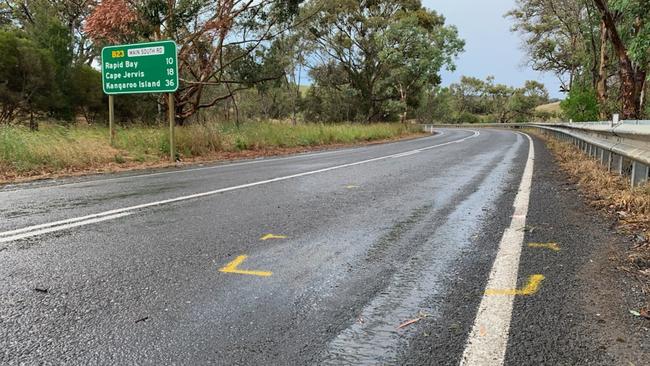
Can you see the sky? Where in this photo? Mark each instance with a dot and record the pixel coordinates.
(490, 47)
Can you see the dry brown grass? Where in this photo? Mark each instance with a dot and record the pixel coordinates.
(56, 150)
(612, 193)
(549, 108)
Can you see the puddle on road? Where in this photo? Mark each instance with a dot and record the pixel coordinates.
(416, 286)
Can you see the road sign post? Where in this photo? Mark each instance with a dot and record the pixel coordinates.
(172, 123)
(141, 68)
(111, 119)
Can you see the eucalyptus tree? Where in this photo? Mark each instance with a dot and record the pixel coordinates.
(600, 45)
(218, 40)
(416, 48)
(628, 25)
(369, 40)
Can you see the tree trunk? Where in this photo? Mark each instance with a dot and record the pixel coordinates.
(630, 86)
(601, 85)
(33, 125)
(402, 94)
(644, 91)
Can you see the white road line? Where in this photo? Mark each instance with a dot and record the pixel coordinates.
(62, 227)
(488, 339)
(113, 214)
(219, 166)
(406, 154)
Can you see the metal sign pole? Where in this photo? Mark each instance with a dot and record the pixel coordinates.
(150, 67)
(111, 119)
(172, 122)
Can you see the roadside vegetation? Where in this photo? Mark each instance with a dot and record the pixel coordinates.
(245, 64)
(57, 149)
(612, 193)
(597, 48)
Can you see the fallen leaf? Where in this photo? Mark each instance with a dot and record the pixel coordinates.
(482, 331)
(645, 313)
(408, 322)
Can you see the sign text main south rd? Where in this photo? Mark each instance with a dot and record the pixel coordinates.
(140, 68)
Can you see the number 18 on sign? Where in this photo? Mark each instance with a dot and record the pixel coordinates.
(140, 68)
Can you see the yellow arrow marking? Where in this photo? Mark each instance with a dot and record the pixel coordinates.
(552, 246)
(272, 236)
(232, 268)
(532, 287)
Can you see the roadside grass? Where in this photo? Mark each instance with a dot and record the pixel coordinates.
(57, 149)
(549, 108)
(612, 193)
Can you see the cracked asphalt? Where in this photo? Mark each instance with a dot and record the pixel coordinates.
(368, 239)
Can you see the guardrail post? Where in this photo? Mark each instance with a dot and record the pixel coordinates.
(639, 173)
(609, 161)
(618, 164)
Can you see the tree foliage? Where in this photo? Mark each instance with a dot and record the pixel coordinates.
(382, 50)
(473, 100)
(601, 43)
(220, 42)
(580, 105)
(26, 76)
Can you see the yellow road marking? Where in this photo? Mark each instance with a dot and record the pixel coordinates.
(551, 246)
(232, 267)
(351, 186)
(272, 236)
(532, 287)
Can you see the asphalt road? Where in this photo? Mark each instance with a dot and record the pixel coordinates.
(378, 255)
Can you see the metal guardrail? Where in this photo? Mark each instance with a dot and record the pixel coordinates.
(623, 147)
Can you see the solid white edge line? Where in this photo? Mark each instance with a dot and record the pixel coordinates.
(488, 339)
(12, 233)
(62, 227)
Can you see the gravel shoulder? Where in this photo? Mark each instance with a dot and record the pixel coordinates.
(581, 315)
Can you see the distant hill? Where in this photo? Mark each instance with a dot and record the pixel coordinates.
(549, 108)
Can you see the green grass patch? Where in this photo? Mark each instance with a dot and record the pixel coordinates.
(56, 148)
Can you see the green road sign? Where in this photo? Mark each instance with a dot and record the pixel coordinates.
(140, 68)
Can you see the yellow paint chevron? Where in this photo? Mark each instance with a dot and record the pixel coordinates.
(552, 246)
(272, 236)
(531, 287)
(233, 267)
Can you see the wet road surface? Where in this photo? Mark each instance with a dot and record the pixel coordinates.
(372, 255)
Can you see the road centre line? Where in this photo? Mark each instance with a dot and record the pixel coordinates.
(33, 230)
(407, 153)
(63, 227)
(218, 166)
(488, 339)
